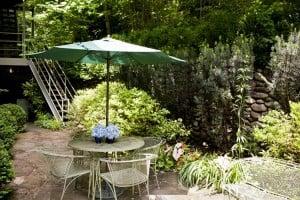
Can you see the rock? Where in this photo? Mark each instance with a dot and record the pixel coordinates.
(259, 95)
(260, 84)
(248, 109)
(262, 89)
(260, 101)
(259, 107)
(19, 180)
(270, 104)
(193, 190)
(255, 115)
(250, 100)
(259, 77)
(269, 99)
(277, 105)
(251, 119)
(195, 123)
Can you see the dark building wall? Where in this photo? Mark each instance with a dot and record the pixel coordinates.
(11, 80)
(10, 35)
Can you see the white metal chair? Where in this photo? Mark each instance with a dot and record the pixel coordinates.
(152, 146)
(65, 167)
(127, 173)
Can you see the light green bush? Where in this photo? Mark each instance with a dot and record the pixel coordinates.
(47, 121)
(279, 134)
(132, 110)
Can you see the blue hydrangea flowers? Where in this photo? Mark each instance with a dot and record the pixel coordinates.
(111, 132)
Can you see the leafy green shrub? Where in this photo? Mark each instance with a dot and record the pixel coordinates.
(165, 160)
(284, 63)
(7, 133)
(132, 110)
(211, 171)
(279, 134)
(18, 113)
(6, 172)
(47, 121)
(188, 156)
(12, 120)
(33, 93)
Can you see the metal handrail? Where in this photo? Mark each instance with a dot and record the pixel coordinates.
(10, 33)
(49, 84)
(42, 85)
(67, 81)
(50, 74)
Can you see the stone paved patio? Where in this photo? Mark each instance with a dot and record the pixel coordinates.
(32, 182)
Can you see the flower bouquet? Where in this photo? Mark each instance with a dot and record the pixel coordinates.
(109, 133)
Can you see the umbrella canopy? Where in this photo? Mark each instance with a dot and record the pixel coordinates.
(109, 51)
(99, 51)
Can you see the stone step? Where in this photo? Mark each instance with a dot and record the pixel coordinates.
(170, 197)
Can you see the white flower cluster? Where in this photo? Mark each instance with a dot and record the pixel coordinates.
(110, 132)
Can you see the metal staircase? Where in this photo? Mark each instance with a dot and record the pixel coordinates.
(54, 85)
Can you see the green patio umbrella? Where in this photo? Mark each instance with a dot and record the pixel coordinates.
(109, 51)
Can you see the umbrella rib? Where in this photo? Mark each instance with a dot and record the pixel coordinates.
(82, 56)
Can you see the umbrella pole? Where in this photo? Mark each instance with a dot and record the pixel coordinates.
(107, 91)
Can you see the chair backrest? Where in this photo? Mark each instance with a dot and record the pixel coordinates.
(152, 145)
(140, 164)
(58, 164)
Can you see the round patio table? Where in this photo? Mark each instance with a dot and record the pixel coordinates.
(122, 144)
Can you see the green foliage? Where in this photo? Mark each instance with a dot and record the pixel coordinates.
(6, 172)
(188, 156)
(18, 113)
(12, 121)
(7, 132)
(285, 59)
(165, 160)
(48, 121)
(33, 93)
(258, 22)
(222, 78)
(279, 134)
(133, 111)
(243, 61)
(208, 172)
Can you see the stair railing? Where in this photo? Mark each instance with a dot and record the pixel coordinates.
(51, 83)
(68, 88)
(34, 68)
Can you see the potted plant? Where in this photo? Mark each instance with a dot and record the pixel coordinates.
(109, 133)
(112, 133)
(99, 133)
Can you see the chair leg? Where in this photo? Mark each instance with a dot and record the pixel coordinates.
(155, 174)
(64, 190)
(139, 190)
(147, 187)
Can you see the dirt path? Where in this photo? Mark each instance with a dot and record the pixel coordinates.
(33, 183)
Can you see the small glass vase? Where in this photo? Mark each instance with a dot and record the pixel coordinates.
(98, 140)
(110, 141)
